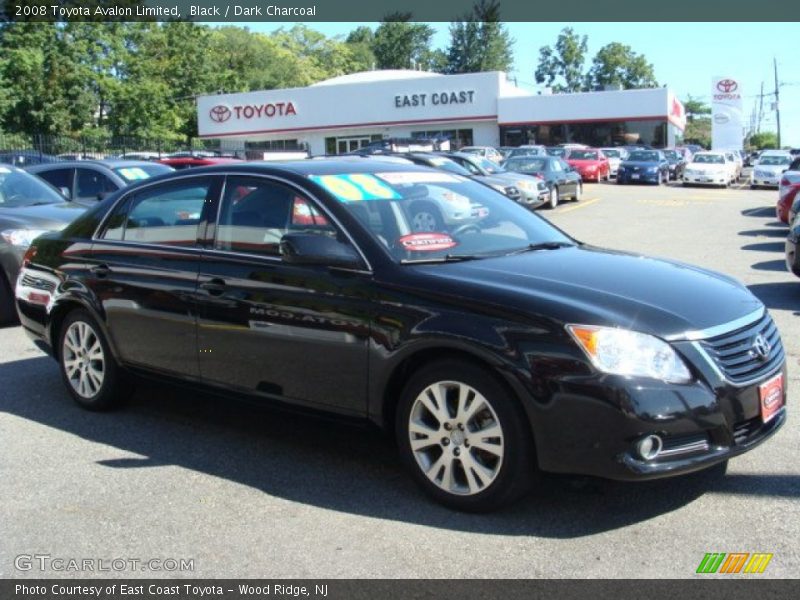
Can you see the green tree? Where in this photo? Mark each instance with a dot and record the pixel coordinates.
(400, 44)
(616, 64)
(764, 141)
(480, 42)
(360, 42)
(695, 108)
(563, 63)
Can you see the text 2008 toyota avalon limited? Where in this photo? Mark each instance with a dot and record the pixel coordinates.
(492, 347)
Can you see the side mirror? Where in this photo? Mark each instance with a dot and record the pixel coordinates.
(65, 192)
(318, 249)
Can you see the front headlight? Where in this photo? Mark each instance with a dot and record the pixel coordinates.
(524, 185)
(21, 238)
(652, 169)
(630, 353)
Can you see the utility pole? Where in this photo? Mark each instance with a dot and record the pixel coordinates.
(777, 101)
(760, 108)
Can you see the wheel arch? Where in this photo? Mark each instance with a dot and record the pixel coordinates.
(64, 307)
(389, 394)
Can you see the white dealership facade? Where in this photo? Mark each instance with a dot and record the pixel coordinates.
(347, 113)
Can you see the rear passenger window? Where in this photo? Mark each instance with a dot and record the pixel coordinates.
(59, 178)
(166, 214)
(93, 185)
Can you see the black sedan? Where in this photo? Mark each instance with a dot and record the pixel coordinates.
(87, 181)
(644, 166)
(28, 208)
(489, 350)
(563, 181)
(677, 164)
(792, 244)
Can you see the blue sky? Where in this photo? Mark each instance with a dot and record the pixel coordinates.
(685, 56)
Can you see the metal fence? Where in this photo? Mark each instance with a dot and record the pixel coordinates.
(23, 150)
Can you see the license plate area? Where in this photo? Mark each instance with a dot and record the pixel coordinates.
(771, 397)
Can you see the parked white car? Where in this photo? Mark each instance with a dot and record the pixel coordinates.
(709, 168)
(615, 157)
(485, 151)
(768, 169)
(738, 163)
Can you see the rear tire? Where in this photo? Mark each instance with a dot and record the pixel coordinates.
(464, 438)
(88, 368)
(578, 192)
(426, 218)
(8, 309)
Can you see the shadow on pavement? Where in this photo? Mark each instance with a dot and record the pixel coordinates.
(775, 233)
(766, 247)
(781, 295)
(762, 211)
(770, 265)
(337, 466)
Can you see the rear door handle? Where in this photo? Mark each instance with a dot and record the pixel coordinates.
(100, 271)
(215, 287)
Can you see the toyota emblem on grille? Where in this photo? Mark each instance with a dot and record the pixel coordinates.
(761, 347)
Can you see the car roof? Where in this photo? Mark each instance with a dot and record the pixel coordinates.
(111, 163)
(319, 166)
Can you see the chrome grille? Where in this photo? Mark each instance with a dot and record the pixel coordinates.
(734, 354)
(743, 430)
(678, 445)
(29, 280)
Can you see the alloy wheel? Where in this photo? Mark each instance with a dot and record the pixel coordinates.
(456, 438)
(424, 221)
(83, 359)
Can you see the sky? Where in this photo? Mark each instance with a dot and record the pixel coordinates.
(685, 57)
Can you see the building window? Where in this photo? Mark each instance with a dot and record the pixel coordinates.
(458, 137)
(255, 150)
(652, 132)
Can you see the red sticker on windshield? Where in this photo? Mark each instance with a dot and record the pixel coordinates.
(427, 242)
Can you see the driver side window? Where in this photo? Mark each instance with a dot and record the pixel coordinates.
(257, 212)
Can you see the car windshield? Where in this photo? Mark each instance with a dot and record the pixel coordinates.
(709, 159)
(18, 188)
(643, 156)
(525, 152)
(582, 155)
(487, 165)
(774, 160)
(556, 151)
(611, 152)
(432, 216)
(672, 154)
(139, 172)
(449, 165)
(526, 165)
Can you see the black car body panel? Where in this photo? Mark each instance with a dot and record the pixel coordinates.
(344, 340)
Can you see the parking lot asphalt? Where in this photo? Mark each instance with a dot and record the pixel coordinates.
(247, 492)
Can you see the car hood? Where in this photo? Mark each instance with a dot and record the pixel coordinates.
(638, 163)
(772, 169)
(594, 286)
(706, 166)
(46, 216)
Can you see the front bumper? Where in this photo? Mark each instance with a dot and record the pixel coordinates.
(706, 179)
(534, 198)
(637, 177)
(770, 182)
(591, 424)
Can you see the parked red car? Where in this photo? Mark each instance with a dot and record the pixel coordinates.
(591, 164)
(185, 162)
(787, 191)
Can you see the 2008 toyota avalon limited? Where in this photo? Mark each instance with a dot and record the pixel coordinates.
(493, 348)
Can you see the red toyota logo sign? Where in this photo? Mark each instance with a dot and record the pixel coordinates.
(220, 113)
(726, 86)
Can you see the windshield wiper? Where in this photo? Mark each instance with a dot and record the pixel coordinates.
(541, 246)
(441, 259)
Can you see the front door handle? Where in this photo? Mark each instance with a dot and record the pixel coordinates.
(215, 287)
(100, 271)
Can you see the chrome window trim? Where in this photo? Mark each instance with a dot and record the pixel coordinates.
(717, 330)
(225, 174)
(739, 384)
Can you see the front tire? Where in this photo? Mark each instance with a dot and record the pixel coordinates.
(464, 438)
(88, 368)
(426, 218)
(578, 192)
(553, 201)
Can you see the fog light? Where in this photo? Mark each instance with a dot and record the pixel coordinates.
(649, 447)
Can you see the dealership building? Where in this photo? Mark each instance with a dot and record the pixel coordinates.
(346, 113)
